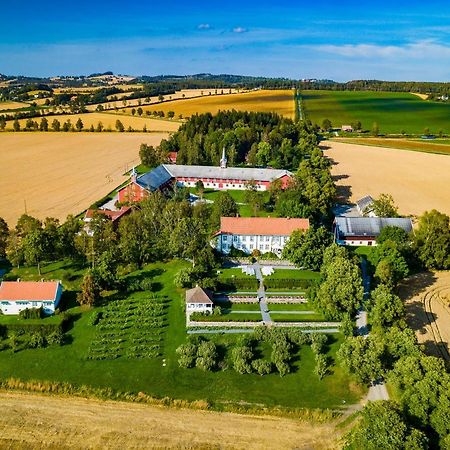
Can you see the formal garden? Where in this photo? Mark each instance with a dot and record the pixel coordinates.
(103, 347)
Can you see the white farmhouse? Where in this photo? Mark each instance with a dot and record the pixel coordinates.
(199, 300)
(266, 234)
(16, 296)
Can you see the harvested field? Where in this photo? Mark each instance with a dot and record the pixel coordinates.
(422, 96)
(12, 105)
(281, 102)
(427, 297)
(61, 173)
(440, 146)
(75, 423)
(417, 181)
(182, 94)
(109, 121)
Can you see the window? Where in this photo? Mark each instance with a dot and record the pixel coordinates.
(34, 303)
(252, 238)
(236, 238)
(225, 238)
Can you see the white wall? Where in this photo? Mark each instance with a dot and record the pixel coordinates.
(14, 307)
(225, 186)
(248, 243)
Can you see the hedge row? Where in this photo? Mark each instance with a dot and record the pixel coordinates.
(29, 328)
(286, 283)
(238, 284)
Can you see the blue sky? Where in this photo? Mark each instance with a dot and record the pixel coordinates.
(395, 40)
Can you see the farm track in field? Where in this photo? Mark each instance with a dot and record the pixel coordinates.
(428, 310)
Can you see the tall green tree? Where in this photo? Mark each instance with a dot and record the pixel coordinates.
(432, 240)
(362, 357)
(305, 249)
(224, 206)
(386, 308)
(384, 206)
(382, 426)
(34, 245)
(43, 126)
(4, 234)
(341, 292)
(90, 290)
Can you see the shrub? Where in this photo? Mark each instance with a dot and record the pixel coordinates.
(36, 340)
(297, 337)
(31, 313)
(238, 284)
(187, 354)
(96, 317)
(206, 355)
(262, 367)
(55, 338)
(242, 357)
(286, 283)
(321, 368)
(318, 341)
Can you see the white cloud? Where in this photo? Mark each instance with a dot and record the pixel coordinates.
(416, 50)
(239, 30)
(204, 26)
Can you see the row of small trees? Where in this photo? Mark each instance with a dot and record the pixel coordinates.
(203, 354)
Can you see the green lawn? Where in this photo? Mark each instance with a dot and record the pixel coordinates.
(280, 317)
(68, 363)
(230, 307)
(290, 307)
(230, 316)
(68, 272)
(394, 112)
(295, 274)
(245, 210)
(233, 273)
(16, 320)
(275, 292)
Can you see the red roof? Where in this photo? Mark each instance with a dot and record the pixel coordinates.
(28, 290)
(271, 226)
(113, 215)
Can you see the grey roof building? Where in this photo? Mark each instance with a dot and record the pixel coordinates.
(225, 173)
(365, 206)
(366, 228)
(154, 179)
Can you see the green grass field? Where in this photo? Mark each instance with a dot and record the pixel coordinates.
(295, 274)
(280, 317)
(394, 112)
(69, 362)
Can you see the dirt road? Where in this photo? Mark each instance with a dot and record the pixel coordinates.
(32, 421)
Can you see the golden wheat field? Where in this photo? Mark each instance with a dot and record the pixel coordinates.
(279, 101)
(30, 421)
(418, 181)
(54, 174)
(12, 105)
(136, 102)
(109, 121)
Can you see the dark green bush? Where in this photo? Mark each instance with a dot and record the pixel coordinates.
(31, 313)
(286, 283)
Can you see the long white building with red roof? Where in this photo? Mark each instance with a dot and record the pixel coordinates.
(16, 296)
(213, 177)
(265, 234)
